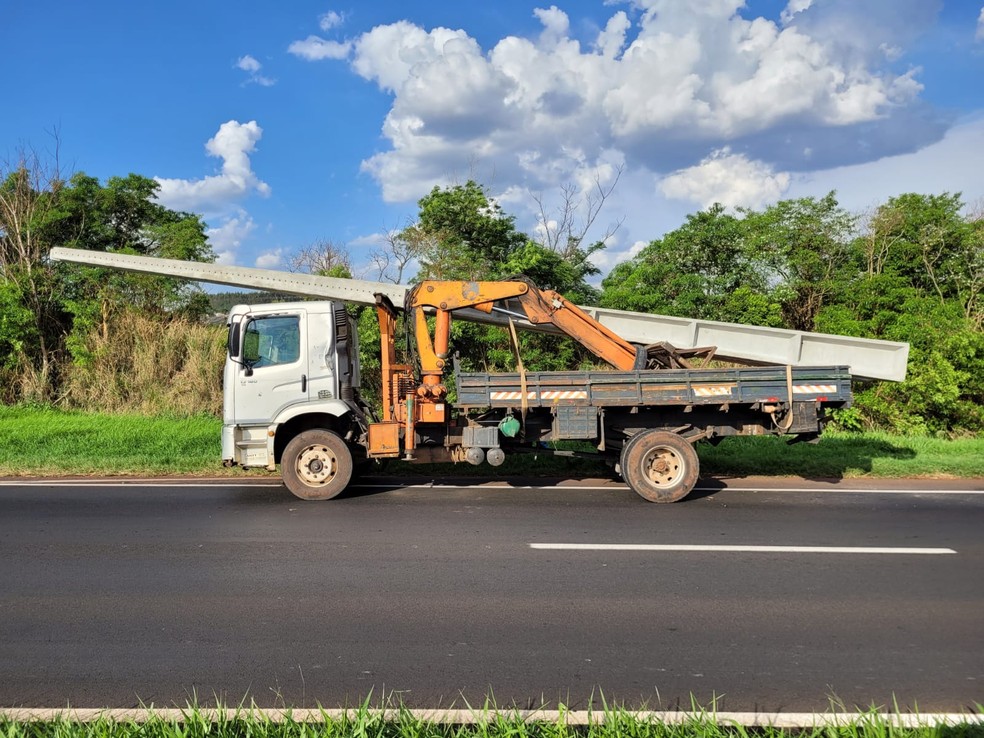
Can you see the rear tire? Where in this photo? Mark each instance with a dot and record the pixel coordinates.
(659, 466)
(316, 465)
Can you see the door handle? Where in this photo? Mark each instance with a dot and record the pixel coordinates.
(304, 383)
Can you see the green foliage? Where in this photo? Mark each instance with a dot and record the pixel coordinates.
(17, 325)
(696, 271)
(467, 234)
(803, 249)
(913, 280)
(914, 274)
(123, 217)
(68, 303)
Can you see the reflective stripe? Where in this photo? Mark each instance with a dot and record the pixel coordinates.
(713, 390)
(566, 395)
(813, 389)
(549, 395)
(512, 395)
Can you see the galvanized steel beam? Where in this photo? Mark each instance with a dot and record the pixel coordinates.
(868, 358)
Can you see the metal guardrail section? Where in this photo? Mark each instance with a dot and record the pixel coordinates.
(867, 358)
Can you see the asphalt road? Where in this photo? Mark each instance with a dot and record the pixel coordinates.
(121, 595)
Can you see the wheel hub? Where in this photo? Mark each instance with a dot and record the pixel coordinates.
(316, 465)
(663, 466)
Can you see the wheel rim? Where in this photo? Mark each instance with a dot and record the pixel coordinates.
(663, 466)
(316, 465)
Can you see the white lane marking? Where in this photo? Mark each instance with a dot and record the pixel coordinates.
(738, 549)
(792, 720)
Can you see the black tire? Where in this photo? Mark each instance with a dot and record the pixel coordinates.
(316, 465)
(659, 466)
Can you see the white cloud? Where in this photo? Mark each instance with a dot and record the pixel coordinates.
(611, 41)
(227, 237)
(270, 259)
(251, 66)
(730, 179)
(233, 143)
(248, 64)
(315, 48)
(792, 8)
(330, 20)
(682, 80)
(979, 36)
(371, 240)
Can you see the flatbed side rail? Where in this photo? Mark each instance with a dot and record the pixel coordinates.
(829, 385)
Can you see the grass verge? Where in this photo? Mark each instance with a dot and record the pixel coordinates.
(43, 441)
(401, 722)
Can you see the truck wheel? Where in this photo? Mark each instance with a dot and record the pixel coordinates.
(659, 466)
(316, 465)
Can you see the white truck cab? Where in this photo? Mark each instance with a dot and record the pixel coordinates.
(289, 367)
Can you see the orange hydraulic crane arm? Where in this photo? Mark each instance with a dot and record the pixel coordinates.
(540, 306)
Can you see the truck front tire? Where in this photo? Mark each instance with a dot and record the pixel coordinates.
(316, 465)
(659, 466)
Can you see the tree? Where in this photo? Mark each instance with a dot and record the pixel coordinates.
(324, 258)
(704, 269)
(916, 278)
(399, 250)
(29, 189)
(38, 210)
(803, 247)
(564, 228)
(123, 216)
(463, 234)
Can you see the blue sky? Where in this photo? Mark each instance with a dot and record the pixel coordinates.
(286, 123)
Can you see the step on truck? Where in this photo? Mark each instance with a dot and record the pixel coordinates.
(291, 387)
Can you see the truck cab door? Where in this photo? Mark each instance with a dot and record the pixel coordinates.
(272, 374)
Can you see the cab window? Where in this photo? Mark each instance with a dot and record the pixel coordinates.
(272, 341)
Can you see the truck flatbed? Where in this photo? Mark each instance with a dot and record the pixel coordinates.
(644, 388)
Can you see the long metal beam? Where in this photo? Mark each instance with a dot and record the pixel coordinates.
(868, 358)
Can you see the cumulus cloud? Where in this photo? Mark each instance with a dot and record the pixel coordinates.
(270, 259)
(330, 20)
(252, 67)
(661, 91)
(248, 64)
(232, 143)
(980, 26)
(730, 179)
(227, 237)
(792, 8)
(315, 48)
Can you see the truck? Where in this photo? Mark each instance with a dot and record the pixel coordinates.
(292, 384)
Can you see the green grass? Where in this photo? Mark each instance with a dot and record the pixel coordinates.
(43, 441)
(400, 722)
(846, 455)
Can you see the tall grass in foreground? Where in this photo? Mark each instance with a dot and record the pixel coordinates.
(146, 367)
(404, 723)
